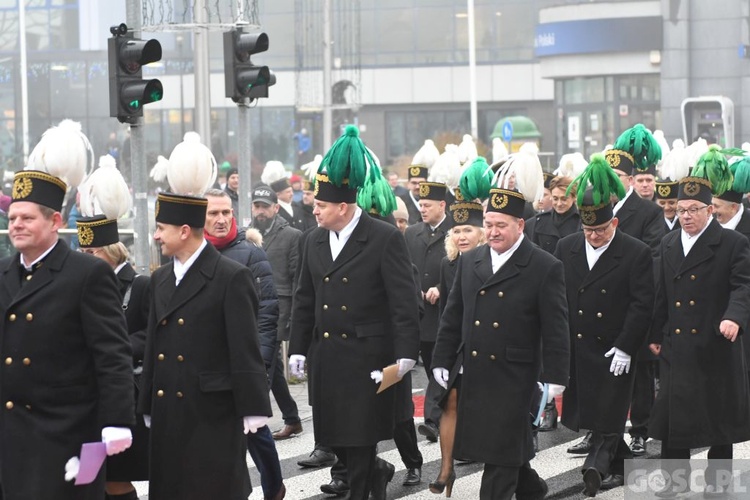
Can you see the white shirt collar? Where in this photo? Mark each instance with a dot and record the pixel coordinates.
(732, 223)
(414, 200)
(181, 268)
(593, 254)
(499, 259)
(688, 241)
(671, 223)
(620, 203)
(286, 206)
(38, 259)
(118, 268)
(433, 228)
(337, 242)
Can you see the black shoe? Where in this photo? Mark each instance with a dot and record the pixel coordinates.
(612, 481)
(549, 417)
(583, 447)
(429, 430)
(592, 481)
(537, 495)
(381, 477)
(318, 458)
(336, 487)
(413, 477)
(638, 446)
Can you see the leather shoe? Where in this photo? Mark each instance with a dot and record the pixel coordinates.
(638, 446)
(612, 481)
(383, 475)
(429, 430)
(280, 495)
(318, 458)
(537, 495)
(413, 477)
(288, 431)
(592, 481)
(583, 446)
(337, 487)
(549, 417)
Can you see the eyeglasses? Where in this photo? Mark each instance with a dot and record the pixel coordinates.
(692, 210)
(599, 231)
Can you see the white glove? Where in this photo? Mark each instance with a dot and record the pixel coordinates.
(147, 421)
(252, 424)
(441, 376)
(117, 439)
(405, 365)
(72, 467)
(297, 365)
(554, 391)
(620, 361)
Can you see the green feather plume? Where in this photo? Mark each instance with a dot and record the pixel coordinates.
(476, 180)
(713, 166)
(741, 171)
(602, 178)
(377, 193)
(640, 143)
(348, 158)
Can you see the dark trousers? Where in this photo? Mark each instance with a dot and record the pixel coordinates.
(280, 390)
(262, 449)
(608, 454)
(718, 471)
(643, 398)
(500, 483)
(360, 463)
(405, 437)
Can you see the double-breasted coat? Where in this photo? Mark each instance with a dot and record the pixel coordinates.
(743, 227)
(203, 372)
(504, 327)
(351, 316)
(610, 305)
(66, 371)
(643, 220)
(427, 249)
(703, 396)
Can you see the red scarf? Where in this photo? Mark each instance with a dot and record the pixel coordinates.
(221, 243)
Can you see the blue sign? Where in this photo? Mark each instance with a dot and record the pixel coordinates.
(633, 34)
(507, 131)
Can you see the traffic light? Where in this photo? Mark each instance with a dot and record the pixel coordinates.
(128, 91)
(709, 117)
(242, 79)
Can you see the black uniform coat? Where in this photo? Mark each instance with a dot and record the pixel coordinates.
(743, 227)
(351, 316)
(132, 464)
(415, 216)
(297, 219)
(427, 249)
(610, 305)
(66, 373)
(703, 396)
(546, 229)
(643, 220)
(504, 327)
(202, 373)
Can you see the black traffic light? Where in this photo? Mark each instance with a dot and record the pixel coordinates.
(128, 91)
(242, 79)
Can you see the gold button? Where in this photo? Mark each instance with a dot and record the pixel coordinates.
(343, 308)
(692, 277)
(12, 317)
(325, 335)
(476, 323)
(677, 304)
(496, 324)
(325, 307)
(482, 292)
(580, 313)
(179, 394)
(180, 358)
(326, 279)
(29, 317)
(677, 331)
(28, 278)
(693, 331)
(604, 292)
(180, 321)
(474, 353)
(159, 393)
(160, 357)
(9, 405)
(500, 294)
(692, 302)
(163, 322)
(579, 336)
(492, 357)
(598, 315)
(343, 336)
(26, 361)
(8, 361)
(345, 280)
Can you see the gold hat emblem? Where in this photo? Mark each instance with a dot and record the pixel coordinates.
(415, 171)
(460, 216)
(424, 190)
(692, 188)
(317, 189)
(86, 235)
(458, 195)
(499, 201)
(22, 188)
(613, 159)
(156, 208)
(588, 217)
(664, 191)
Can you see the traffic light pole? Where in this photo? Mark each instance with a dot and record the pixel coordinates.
(139, 177)
(244, 167)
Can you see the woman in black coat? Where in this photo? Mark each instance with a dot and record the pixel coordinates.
(131, 465)
(547, 228)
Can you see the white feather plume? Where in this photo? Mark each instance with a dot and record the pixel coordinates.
(746, 146)
(447, 169)
(65, 152)
(675, 165)
(427, 154)
(105, 191)
(159, 170)
(311, 168)
(695, 151)
(192, 167)
(499, 151)
(526, 170)
(571, 165)
(529, 147)
(662, 141)
(273, 171)
(678, 143)
(467, 150)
